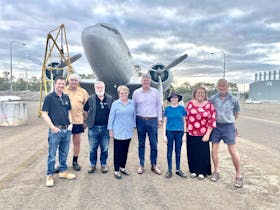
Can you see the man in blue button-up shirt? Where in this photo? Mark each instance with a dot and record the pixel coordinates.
(227, 111)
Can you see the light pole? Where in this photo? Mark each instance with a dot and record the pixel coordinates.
(224, 73)
(11, 63)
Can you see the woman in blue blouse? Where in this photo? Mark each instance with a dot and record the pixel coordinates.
(174, 125)
(120, 125)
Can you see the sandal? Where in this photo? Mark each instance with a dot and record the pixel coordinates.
(215, 176)
(238, 182)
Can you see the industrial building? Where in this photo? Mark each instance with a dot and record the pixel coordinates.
(266, 87)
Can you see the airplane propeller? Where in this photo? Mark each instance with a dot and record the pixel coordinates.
(55, 64)
(176, 62)
(172, 64)
(160, 89)
(161, 74)
(60, 65)
(34, 60)
(72, 60)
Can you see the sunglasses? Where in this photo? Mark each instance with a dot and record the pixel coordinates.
(102, 104)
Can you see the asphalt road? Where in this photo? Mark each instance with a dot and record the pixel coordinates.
(23, 152)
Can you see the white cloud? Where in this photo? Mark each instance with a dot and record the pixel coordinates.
(155, 31)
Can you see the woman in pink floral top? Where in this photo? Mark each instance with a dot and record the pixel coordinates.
(200, 121)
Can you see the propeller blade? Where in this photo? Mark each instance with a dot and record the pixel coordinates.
(160, 89)
(34, 60)
(72, 60)
(177, 61)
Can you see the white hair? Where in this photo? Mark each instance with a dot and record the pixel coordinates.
(99, 83)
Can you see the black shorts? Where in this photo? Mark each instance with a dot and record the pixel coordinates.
(77, 128)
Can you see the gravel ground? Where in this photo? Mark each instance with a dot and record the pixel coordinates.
(24, 154)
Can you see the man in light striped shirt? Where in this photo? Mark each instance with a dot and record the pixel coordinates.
(148, 108)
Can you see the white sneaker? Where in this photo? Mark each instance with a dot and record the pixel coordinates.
(66, 175)
(50, 181)
(193, 175)
(200, 177)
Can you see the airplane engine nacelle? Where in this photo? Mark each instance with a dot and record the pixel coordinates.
(166, 76)
(52, 74)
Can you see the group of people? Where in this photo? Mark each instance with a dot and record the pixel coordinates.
(69, 110)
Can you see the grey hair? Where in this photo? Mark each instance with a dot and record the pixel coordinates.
(99, 82)
(146, 75)
(74, 76)
(222, 81)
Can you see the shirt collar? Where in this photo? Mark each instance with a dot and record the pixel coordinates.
(128, 102)
(69, 89)
(55, 94)
(142, 90)
(228, 95)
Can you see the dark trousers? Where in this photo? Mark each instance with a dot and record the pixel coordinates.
(174, 137)
(198, 155)
(149, 127)
(120, 153)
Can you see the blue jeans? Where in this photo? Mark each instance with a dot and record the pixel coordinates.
(98, 135)
(174, 136)
(60, 141)
(149, 127)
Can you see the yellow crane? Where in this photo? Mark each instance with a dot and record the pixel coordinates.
(57, 61)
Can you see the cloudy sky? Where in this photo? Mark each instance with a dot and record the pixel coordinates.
(247, 31)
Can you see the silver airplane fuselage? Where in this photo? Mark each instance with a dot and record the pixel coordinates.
(108, 56)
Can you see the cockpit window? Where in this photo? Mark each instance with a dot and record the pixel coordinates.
(110, 28)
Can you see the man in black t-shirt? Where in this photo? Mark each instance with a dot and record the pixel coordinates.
(56, 113)
(97, 113)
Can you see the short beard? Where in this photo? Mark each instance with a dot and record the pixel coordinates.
(100, 93)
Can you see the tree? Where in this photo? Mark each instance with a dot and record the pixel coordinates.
(6, 74)
(186, 90)
(34, 84)
(233, 88)
(20, 85)
(4, 81)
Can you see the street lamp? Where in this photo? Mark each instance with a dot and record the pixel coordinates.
(11, 63)
(224, 73)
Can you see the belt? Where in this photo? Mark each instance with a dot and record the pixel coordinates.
(62, 126)
(147, 118)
